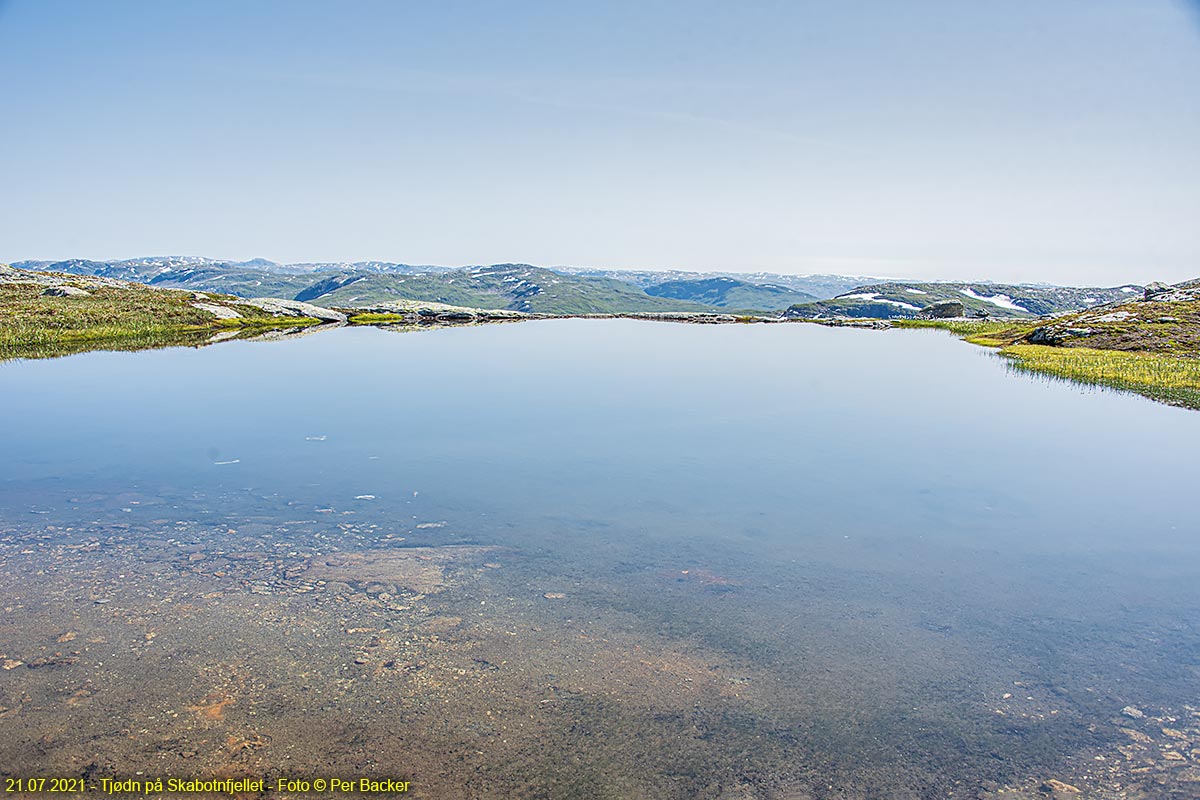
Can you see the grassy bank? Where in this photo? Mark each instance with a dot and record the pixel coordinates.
(32, 323)
(1168, 378)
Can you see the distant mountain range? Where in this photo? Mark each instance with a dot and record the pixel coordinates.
(519, 287)
(572, 290)
(817, 286)
(899, 300)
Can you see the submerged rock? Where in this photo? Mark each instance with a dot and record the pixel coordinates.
(416, 569)
(1053, 786)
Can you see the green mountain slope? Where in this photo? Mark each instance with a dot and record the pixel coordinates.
(721, 292)
(235, 281)
(516, 287)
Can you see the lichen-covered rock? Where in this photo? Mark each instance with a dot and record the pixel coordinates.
(66, 291)
(1156, 288)
(1186, 292)
(220, 312)
(295, 308)
(1114, 316)
(1041, 336)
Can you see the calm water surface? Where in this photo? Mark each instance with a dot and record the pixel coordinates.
(599, 559)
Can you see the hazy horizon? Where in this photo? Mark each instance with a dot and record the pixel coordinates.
(1025, 142)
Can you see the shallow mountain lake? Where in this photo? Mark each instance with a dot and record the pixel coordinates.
(599, 559)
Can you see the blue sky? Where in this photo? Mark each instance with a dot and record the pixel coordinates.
(1054, 140)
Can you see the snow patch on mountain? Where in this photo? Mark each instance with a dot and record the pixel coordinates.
(998, 300)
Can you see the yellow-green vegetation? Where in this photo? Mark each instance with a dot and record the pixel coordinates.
(1162, 376)
(989, 333)
(372, 318)
(1171, 379)
(36, 325)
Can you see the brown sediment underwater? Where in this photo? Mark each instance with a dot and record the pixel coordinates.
(468, 676)
(418, 569)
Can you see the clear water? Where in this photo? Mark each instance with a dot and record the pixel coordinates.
(776, 561)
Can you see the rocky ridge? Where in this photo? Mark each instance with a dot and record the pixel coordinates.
(1165, 319)
(910, 300)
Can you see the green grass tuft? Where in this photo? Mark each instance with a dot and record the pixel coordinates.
(376, 319)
